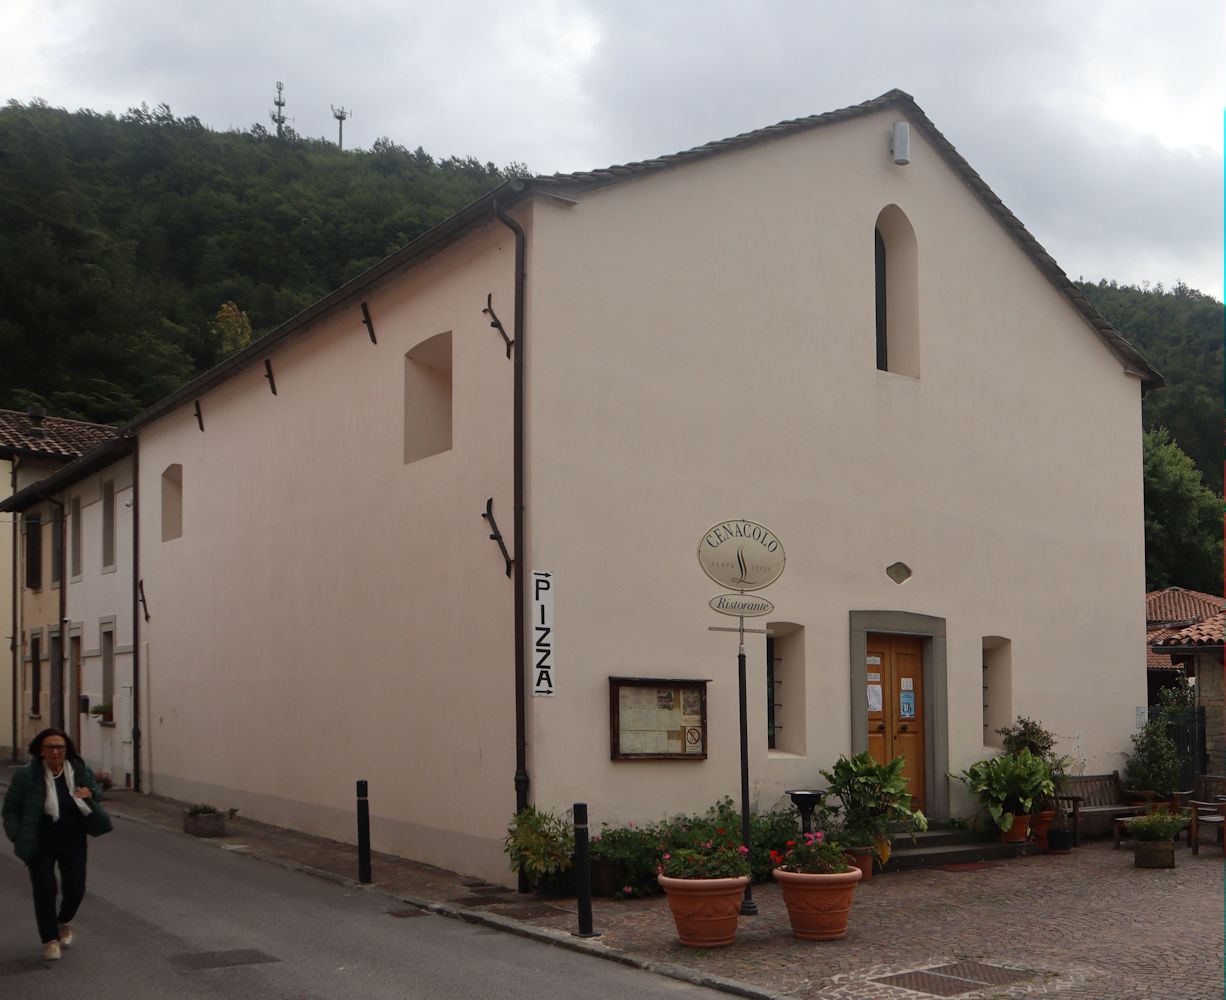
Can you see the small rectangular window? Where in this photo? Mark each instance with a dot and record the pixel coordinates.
(34, 551)
(427, 398)
(108, 525)
(997, 688)
(108, 669)
(785, 691)
(172, 502)
(74, 545)
(57, 541)
(36, 675)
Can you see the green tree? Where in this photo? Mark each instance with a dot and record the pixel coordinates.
(1183, 520)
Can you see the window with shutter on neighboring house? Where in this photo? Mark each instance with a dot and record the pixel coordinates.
(74, 545)
(34, 551)
(108, 525)
(57, 541)
(36, 675)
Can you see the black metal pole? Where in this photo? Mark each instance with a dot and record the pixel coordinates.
(583, 872)
(748, 907)
(363, 835)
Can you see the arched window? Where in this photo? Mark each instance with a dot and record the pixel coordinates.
(172, 502)
(896, 285)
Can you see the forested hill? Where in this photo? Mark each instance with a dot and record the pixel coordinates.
(122, 239)
(1180, 331)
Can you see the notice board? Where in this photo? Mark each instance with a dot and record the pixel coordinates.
(655, 718)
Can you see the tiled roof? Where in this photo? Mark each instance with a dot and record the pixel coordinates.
(1210, 632)
(1174, 604)
(1155, 660)
(62, 439)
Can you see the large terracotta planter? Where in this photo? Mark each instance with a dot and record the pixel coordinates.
(705, 910)
(1019, 831)
(1154, 853)
(818, 905)
(1040, 825)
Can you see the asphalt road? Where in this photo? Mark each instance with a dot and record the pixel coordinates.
(166, 916)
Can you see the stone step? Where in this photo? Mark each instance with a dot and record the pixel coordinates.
(931, 853)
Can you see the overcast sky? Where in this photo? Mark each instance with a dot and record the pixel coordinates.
(1098, 122)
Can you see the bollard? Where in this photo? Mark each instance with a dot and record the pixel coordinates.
(363, 835)
(583, 872)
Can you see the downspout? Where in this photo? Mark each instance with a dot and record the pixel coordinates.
(521, 754)
(14, 645)
(63, 651)
(136, 782)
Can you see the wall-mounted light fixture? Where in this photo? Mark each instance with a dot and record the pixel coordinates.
(900, 143)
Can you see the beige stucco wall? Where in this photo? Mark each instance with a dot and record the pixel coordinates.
(331, 613)
(703, 348)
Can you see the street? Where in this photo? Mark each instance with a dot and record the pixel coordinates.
(166, 916)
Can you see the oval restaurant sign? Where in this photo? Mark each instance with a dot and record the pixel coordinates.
(740, 605)
(741, 555)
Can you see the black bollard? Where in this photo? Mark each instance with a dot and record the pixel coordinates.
(583, 872)
(363, 835)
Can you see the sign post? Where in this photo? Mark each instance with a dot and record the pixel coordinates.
(744, 556)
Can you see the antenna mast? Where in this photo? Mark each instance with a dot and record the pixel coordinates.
(340, 114)
(278, 116)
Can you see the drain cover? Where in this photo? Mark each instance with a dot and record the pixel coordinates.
(954, 979)
(223, 959)
(978, 972)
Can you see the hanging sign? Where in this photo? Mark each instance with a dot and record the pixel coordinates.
(741, 555)
(542, 634)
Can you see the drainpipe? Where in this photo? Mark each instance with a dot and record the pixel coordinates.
(14, 645)
(136, 782)
(521, 755)
(63, 605)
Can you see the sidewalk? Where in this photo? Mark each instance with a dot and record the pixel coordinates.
(1088, 926)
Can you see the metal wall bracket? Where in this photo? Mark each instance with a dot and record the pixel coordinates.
(140, 588)
(199, 415)
(272, 382)
(497, 535)
(369, 324)
(495, 322)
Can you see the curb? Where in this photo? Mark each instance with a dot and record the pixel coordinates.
(510, 925)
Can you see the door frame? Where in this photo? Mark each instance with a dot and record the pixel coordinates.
(936, 694)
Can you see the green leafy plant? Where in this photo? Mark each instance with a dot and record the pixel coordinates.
(721, 823)
(710, 860)
(1027, 734)
(204, 809)
(813, 854)
(1157, 826)
(1154, 762)
(875, 804)
(1008, 785)
(634, 851)
(539, 844)
(97, 711)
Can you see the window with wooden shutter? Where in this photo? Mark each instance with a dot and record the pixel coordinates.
(34, 552)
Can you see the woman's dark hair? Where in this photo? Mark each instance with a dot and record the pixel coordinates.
(36, 744)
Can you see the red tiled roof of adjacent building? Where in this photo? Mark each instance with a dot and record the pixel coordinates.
(1175, 604)
(1210, 632)
(59, 438)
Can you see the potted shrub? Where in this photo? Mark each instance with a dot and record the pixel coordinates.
(204, 820)
(541, 845)
(874, 803)
(1028, 734)
(1008, 787)
(704, 886)
(102, 713)
(624, 860)
(1153, 765)
(1153, 837)
(817, 885)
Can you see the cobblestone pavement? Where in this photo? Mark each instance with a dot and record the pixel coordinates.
(1085, 926)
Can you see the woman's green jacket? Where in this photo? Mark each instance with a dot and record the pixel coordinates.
(23, 803)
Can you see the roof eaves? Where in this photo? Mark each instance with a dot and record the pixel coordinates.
(96, 458)
(430, 242)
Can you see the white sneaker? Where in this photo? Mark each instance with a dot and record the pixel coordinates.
(66, 935)
(51, 951)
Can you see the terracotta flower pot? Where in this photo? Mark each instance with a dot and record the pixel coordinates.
(818, 905)
(861, 858)
(1019, 831)
(705, 910)
(1040, 825)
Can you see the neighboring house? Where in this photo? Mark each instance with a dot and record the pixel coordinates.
(871, 357)
(1167, 612)
(32, 447)
(1197, 650)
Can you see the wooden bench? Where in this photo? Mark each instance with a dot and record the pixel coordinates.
(1096, 800)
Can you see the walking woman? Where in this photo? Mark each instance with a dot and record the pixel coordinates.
(46, 811)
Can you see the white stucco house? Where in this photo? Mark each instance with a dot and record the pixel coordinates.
(831, 327)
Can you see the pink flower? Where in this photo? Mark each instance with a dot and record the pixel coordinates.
(667, 856)
(819, 837)
(627, 890)
(708, 845)
(743, 849)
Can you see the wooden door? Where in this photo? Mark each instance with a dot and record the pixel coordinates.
(895, 672)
